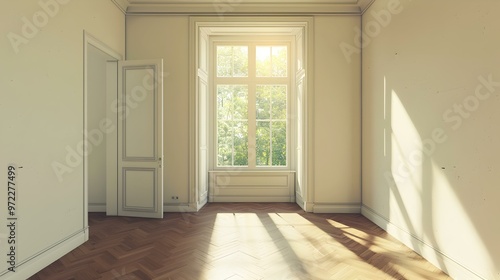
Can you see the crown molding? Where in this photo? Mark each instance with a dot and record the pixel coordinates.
(247, 7)
(122, 5)
(256, 7)
(238, 2)
(241, 7)
(364, 5)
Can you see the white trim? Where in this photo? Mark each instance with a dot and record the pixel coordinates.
(179, 208)
(202, 202)
(226, 8)
(300, 201)
(167, 207)
(431, 254)
(45, 257)
(90, 39)
(202, 24)
(308, 145)
(337, 2)
(364, 5)
(256, 199)
(192, 116)
(203, 74)
(97, 207)
(300, 75)
(122, 5)
(251, 81)
(308, 206)
(111, 140)
(212, 25)
(350, 208)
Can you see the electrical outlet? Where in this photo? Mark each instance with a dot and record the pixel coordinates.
(175, 197)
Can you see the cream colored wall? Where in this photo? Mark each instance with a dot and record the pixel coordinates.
(336, 114)
(41, 113)
(96, 104)
(430, 129)
(337, 121)
(167, 37)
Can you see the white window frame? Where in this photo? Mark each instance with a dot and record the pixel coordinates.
(252, 41)
(204, 27)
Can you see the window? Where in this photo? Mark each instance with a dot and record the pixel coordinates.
(252, 100)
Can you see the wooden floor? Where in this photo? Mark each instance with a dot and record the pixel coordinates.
(240, 241)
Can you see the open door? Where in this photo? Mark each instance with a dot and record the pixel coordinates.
(140, 138)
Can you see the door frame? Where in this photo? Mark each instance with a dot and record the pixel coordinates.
(89, 39)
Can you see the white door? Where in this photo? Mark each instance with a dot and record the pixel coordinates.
(140, 138)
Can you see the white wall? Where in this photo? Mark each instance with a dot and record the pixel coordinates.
(337, 117)
(41, 113)
(426, 127)
(336, 114)
(96, 102)
(167, 38)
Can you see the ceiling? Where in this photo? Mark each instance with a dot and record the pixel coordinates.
(243, 7)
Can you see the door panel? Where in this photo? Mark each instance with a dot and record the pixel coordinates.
(139, 189)
(140, 138)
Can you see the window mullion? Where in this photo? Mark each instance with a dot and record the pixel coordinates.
(251, 108)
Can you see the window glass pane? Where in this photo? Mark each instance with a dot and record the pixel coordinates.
(278, 143)
(224, 64)
(263, 102)
(271, 110)
(232, 102)
(271, 143)
(268, 99)
(263, 61)
(232, 125)
(278, 95)
(240, 142)
(224, 149)
(263, 143)
(270, 102)
(232, 61)
(271, 61)
(232, 147)
(279, 65)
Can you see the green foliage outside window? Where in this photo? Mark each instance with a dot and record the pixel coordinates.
(268, 100)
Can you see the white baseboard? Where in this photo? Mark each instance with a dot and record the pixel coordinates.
(251, 199)
(94, 207)
(454, 269)
(42, 259)
(202, 202)
(300, 201)
(345, 208)
(181, 208)
(97, 207)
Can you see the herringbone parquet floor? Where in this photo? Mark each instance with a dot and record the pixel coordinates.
(240, 241)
